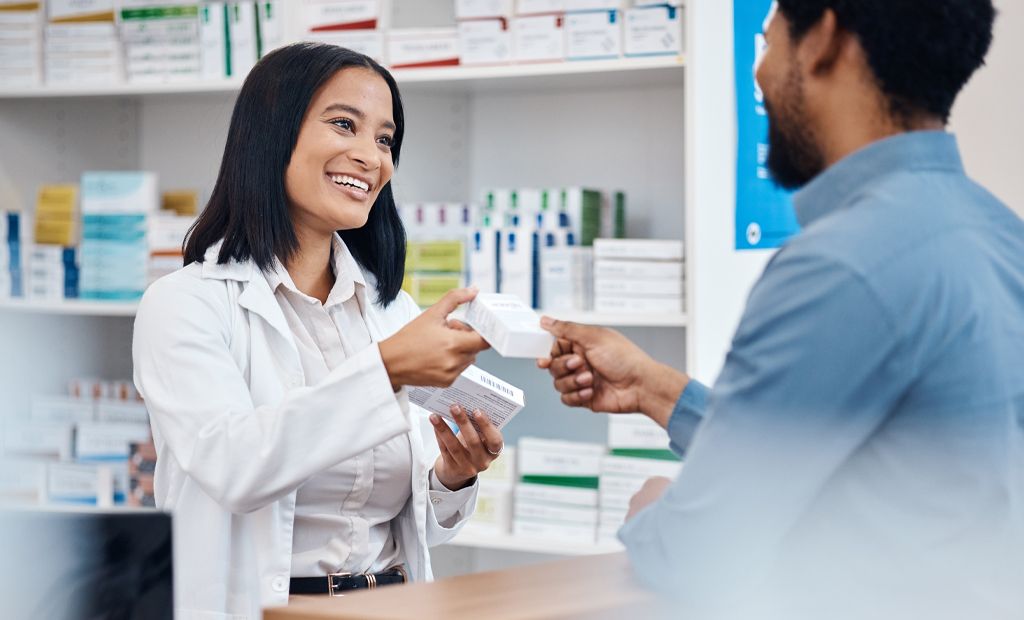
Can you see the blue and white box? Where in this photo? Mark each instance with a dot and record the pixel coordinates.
(593, 35)
(653, 31)
(116, 207)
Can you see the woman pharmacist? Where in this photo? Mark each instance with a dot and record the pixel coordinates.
(273, 363)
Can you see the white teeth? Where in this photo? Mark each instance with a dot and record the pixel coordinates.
(344, 179)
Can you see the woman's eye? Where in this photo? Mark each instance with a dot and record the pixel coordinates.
(343, 123)
(387, 141)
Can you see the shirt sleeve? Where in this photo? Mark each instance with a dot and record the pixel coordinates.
(449, 506)
(810, 376)
(687, 415)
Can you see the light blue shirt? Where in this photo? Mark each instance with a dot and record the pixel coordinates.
(863, 447)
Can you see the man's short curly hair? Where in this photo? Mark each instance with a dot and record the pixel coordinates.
(922, 52)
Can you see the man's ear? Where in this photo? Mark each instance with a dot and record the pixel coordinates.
(820, 48)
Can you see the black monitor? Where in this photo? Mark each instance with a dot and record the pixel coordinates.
(85, 564)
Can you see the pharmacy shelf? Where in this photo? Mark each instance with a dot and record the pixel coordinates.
(508, 542)
(121, 308)
(622, 72)
(71, 307)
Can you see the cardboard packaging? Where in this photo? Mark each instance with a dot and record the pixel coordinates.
(474, 389)
(335, 15)
(510, 326)
(638, 249)
(538, 38)
(653, 31)
(593, 35)
(423, 47)
(485, 42)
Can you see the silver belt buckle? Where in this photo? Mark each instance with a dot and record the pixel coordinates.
(330, 582)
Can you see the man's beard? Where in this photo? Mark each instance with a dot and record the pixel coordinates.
(794, 157)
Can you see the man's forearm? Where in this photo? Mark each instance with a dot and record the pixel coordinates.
(662, 387)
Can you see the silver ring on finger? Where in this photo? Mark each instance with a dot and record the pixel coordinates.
(494, 454)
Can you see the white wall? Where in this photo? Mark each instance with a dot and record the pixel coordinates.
(989, 116)
(718, 277)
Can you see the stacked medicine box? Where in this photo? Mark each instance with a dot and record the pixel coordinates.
(166, 236)
(116, 207)
(21, 44)
(353, 24)
(435, 260)
(538, 31)
(493, 514)
(81, 44)
(557, 493)
(52, 266)
(13, 250)
(638, 450)
(75, 448)
(484, 34)
(638, 276)
(520, 239)
(161, 43)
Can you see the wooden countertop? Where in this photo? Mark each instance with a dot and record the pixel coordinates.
(592, 587)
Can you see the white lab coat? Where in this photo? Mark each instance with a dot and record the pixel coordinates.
(237, 432)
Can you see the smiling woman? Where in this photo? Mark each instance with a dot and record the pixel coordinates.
(307, 101)
(274, 363)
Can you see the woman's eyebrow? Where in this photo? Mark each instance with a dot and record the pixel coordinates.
(356, 112)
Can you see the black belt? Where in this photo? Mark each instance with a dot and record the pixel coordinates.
(336, 584)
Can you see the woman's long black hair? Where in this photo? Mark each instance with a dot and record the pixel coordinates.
(248, 209)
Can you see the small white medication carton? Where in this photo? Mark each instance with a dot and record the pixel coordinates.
(474, 389)
(507, 324)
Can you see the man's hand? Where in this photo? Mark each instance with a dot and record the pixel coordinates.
(651, 492)
(602, 370)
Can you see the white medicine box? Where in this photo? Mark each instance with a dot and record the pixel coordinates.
(485, 42)
(334, 15)
(538, 38)
(655, 30)
(593, 35)
(423, 47)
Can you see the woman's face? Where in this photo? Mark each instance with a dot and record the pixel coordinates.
(342, 157)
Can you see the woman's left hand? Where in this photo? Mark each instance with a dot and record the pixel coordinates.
(465, 455)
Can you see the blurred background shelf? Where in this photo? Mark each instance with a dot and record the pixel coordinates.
(622, 73)
(128, 308)
(71, 307)
(509, 542)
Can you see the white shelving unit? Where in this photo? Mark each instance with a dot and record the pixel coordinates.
(75, 307)
(627, 71)
(661, 129)
(79, 307)
(508, 542)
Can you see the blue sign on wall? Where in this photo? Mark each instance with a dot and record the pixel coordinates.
(764, 212)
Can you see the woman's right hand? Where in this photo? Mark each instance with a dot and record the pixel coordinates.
(431, 351)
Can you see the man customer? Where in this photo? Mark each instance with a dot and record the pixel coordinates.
(862, 452)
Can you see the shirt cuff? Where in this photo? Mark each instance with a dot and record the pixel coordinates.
(687, 415)
(449, 505)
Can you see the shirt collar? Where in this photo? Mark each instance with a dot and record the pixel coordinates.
(834, 188)
(348, 275)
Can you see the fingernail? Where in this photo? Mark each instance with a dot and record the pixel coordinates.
(573, 363)
(546, 321)
(478, 414)
(454, 409)
(435, 419)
